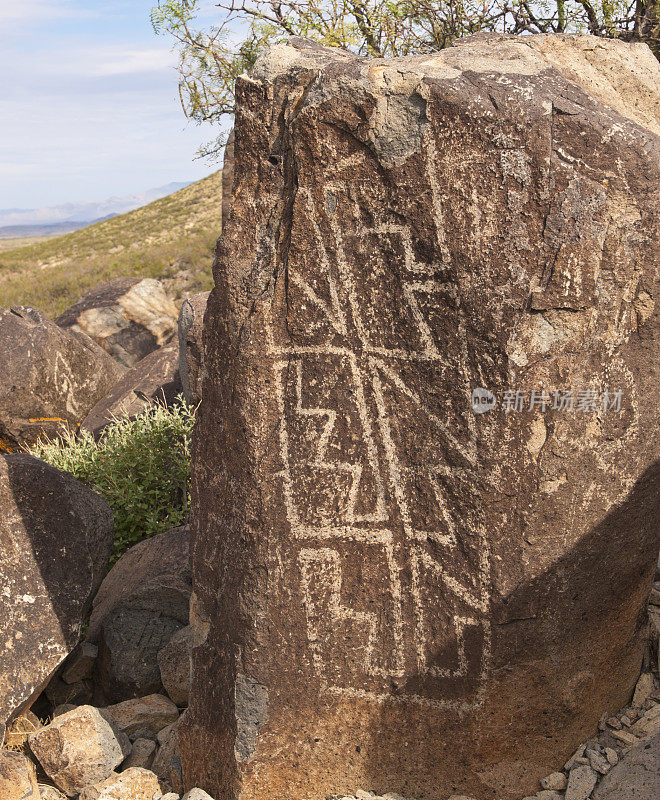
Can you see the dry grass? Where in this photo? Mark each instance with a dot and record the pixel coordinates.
(171, 239)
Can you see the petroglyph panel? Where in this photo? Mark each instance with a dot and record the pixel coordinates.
(371, 394)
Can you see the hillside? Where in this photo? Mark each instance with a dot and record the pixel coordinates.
(171, 239)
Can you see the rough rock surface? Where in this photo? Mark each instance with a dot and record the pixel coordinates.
(174, 662)
(391, 589)
(55, 542)
(155, 378)
(635, 778)
(128, 317)
(191, 325)
(142, 602)
(80, 664)
(49, 379)
(160, 556)
(132, 784)
(141, 755)
(227, 178)
(154, 712)
(18, 777)
(167, 764)
(77, 749)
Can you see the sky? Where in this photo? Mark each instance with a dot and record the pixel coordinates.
(88, 104)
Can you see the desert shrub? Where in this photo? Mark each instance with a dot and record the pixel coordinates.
(141, 466)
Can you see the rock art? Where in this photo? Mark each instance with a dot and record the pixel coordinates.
(425, 489)
(49, 379)
(128, 317)
(143, 601)
(154, 379)
(55, 542)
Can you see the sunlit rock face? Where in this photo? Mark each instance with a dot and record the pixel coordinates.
(55, 542)
(425, 505)
(128, 317)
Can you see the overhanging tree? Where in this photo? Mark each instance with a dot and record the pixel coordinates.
(211, 58)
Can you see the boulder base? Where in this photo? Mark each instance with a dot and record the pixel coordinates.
(418, 568)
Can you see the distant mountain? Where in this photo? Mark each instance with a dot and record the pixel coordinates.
(28, 231)
(81, 213)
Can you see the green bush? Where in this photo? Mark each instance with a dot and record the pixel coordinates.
(141, 466)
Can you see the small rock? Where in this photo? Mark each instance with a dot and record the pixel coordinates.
(141, 755)
(132, 784)
(626, 737)
(579, 753)
(80, 663)
(548, 794)
(626, 721)
(163, 736)
(50, 793)
(18, 776)
(647, 725)
(196, 794)
(581, 781)
(611, 755)
(598, 762)
(170, 796)
(613, 722)
(167, 764)
(654, 597)
(77, 749)
(154, 712)
(556, 781)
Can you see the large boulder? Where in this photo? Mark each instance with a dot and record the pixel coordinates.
(403, 579)
(154, 379)
(55, 541)
(142, 602)
(128, 317)
(163, 556)
(191, 328)
(49, 379)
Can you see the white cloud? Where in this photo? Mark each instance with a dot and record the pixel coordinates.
(109, 61)
(27, 11)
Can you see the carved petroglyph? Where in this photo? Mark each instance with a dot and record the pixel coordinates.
(365, 496)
